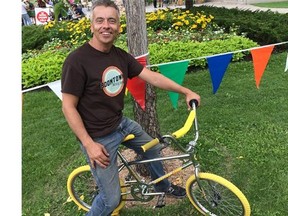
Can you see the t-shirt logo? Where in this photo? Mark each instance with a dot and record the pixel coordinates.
(112, 81)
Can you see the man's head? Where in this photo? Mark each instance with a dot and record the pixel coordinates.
(105, 22)
(105, 3)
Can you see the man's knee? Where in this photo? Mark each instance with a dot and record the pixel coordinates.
(113, 201)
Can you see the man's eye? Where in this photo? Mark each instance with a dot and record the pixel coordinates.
(112, 21)
(99, 20)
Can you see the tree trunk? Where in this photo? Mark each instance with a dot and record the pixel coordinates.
(188, 4)
(138, 45)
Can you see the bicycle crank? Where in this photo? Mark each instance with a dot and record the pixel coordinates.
(140, 192)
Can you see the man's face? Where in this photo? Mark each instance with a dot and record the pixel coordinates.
(105, 24)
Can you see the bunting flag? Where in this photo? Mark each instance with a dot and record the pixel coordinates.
(217, 67)
(176, 72)
(137, 86)
(56, 88)
(286, 67)
(260, 58)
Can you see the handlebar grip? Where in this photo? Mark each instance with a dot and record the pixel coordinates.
(193, 101)
(150, 144)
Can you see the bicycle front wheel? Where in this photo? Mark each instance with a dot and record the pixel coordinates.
(215, 195)
(82, 189)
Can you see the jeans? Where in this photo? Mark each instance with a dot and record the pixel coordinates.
(26, 19)
(108, 178)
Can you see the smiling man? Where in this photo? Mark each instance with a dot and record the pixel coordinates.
(93, 82)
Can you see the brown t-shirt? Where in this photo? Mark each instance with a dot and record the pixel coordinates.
(99, 80)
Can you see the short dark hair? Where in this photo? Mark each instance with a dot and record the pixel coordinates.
(106, 3)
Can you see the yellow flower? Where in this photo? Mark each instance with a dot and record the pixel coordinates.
(194, 26)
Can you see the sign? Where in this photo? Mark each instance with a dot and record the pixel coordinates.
(42, 15)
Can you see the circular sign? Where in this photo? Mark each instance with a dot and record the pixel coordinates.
(42, 17)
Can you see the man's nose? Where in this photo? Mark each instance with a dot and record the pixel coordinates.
(106, 24)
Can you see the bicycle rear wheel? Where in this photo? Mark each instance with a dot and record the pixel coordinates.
(82, 189)
(216, 196)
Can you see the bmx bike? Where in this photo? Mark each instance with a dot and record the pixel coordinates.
(210, 194)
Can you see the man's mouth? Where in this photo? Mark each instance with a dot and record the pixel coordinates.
(106, 33)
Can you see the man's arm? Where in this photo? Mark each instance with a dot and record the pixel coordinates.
(96, 152)
(160, 81)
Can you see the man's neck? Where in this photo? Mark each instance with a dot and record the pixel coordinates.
(100, 47)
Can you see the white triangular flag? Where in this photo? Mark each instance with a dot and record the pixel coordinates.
(56, 88)
(286, 68)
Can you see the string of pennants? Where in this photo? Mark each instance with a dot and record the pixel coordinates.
(217, 65)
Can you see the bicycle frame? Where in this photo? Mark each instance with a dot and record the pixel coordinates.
(188, 155)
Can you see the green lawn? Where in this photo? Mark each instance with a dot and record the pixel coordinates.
(283, 4)
(239, 120)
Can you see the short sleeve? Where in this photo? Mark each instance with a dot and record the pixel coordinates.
(72, 80)
(134, 67)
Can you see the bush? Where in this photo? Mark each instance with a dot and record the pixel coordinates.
(43, 68)
(176, 51)
(265, 27)
(34, 37)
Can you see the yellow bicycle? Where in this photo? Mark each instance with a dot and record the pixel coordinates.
(210, 194)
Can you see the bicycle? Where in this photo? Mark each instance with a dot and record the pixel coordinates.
(210, 194)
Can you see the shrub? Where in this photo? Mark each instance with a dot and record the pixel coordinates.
(77, 32)
(34, 37)
(265, 27)
(175, 51)
(43, 68)
(177, 19)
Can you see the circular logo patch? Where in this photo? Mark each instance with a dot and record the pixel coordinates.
(112, 81)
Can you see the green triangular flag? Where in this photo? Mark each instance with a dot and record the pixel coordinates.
(176, 72)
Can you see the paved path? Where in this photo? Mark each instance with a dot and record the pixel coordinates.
(240, 6)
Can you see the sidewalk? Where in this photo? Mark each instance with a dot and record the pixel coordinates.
(240, 6)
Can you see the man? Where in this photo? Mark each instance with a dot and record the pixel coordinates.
(77, 12)
(93, 88)
(25, 17)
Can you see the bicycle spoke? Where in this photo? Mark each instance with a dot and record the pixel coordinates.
(216, 198)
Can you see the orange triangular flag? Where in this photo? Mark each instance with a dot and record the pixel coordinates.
(260, 58)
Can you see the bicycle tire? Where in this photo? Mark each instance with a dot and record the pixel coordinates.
(82, 189)
(217, 197)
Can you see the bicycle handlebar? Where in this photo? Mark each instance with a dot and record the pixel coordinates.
(193, 101)
(150, 144)
(182, 131)
(188, 124)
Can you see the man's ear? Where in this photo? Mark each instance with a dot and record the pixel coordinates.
(91, 29)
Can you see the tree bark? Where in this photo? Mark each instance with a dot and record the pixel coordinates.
(188, 4)
(138, 45)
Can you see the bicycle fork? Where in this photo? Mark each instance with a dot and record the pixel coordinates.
(212, 199)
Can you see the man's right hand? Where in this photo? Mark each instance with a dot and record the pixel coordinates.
(98, 155)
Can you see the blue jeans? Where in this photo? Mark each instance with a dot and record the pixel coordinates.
(26, 19)
(108, 178)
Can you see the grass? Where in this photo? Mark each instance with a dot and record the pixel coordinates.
(283, 4)
(243, 137)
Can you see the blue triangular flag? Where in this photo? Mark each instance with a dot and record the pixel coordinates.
(217, 67)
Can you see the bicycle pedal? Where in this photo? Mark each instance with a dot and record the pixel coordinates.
(159, 206)
(160, 202)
